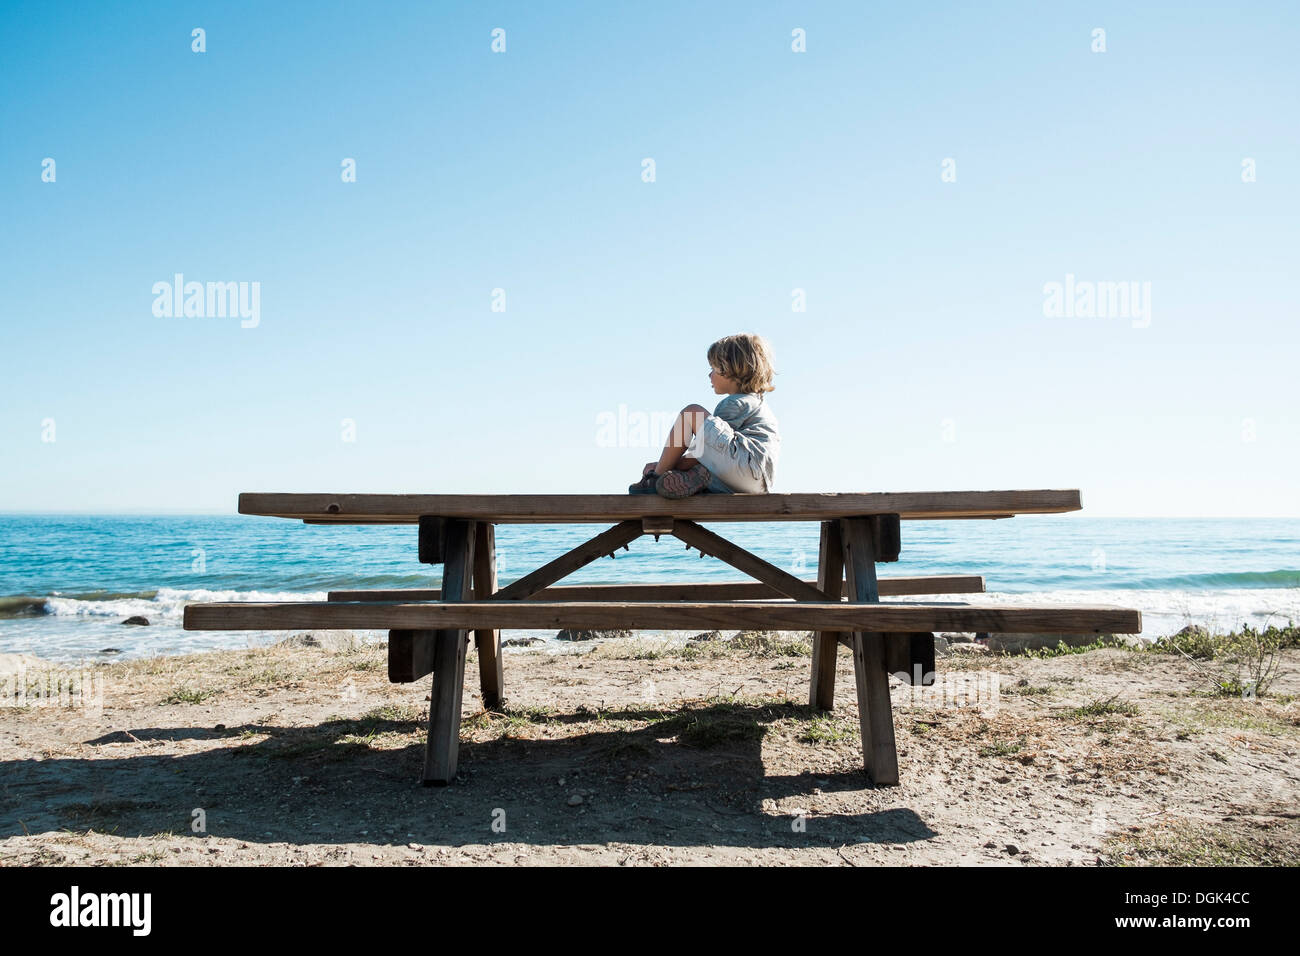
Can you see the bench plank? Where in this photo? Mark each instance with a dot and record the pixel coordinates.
(708, 591)
(674, 615)
(552, 509)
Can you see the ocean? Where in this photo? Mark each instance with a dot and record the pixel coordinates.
(68, 581)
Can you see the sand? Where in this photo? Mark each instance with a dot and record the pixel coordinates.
(633, 753)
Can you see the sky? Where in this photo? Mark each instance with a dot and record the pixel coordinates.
(888, 207)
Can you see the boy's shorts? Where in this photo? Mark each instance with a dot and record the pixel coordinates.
(729, 464)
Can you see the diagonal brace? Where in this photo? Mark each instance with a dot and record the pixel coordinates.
(599, 546)
(742, 560)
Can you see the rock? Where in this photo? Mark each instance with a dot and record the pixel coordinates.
(575, 800)
(1019, 643)
(707, 636)
(946, 641)
(137, 619)
(1193, 630)
(110, 650)
(521, 641)
(335, 641)
(1012, 849)
(969, 647)
(571, 635)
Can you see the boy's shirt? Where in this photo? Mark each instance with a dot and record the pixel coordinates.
(755, 430)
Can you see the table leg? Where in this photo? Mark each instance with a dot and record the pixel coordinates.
(875, 714)
(825, 644)
(449, 659)
(491, 678)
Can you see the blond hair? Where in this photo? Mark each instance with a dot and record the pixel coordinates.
(745, 358)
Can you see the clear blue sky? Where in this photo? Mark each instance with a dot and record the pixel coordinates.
(522, 170)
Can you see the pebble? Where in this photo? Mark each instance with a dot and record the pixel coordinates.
(575, 800)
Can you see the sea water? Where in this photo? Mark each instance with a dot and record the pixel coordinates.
(68, 581)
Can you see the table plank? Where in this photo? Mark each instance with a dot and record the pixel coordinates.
(561, 509)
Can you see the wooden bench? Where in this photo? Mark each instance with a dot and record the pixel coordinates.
(429, 628)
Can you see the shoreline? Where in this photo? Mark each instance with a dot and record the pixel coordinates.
(76, 632)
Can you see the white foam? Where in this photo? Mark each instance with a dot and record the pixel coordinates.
(76, 629)
(167, 605)
(1166, 612)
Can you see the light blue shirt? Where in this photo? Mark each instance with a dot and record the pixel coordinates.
(755, 437)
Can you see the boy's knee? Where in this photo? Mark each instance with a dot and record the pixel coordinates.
(694, 416)
(688, 423)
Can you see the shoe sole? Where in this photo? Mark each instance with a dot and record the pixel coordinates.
(674, 484)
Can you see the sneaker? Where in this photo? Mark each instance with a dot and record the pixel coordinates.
(683, 484)
(646, 486)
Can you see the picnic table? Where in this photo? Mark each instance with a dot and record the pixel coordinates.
(429, 628)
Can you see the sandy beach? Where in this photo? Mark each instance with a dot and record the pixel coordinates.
(641, 753)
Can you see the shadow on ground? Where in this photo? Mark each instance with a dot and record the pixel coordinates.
(693, 777)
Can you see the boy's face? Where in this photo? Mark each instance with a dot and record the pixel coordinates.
(721, 384)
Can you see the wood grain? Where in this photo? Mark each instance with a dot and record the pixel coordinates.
(551, 509)
(445, 697)
(710, 591)
(825, 644)
(875, 713)
(602, 544)
(676, 615)
(488, 639)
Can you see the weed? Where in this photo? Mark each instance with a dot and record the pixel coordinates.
(828, 730)
(1100, 707)
(189, 695)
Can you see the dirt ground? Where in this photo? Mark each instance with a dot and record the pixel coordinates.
(640, 753)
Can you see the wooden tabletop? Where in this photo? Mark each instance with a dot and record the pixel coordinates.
(564, 509)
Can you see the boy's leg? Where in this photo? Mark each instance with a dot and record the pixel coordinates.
(689, 421)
